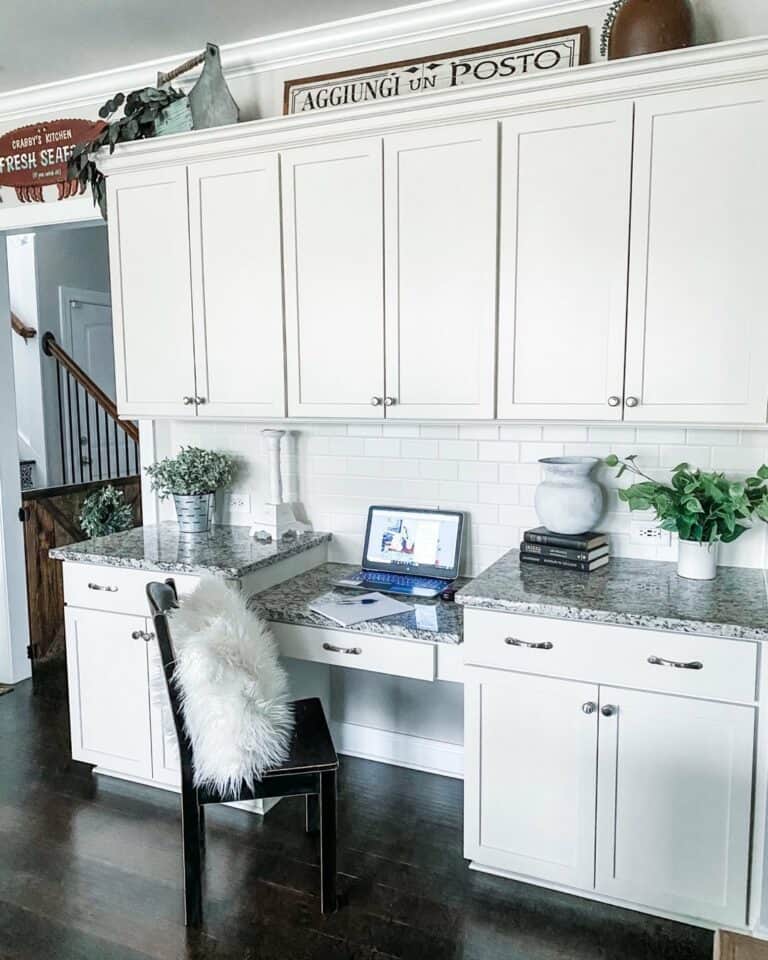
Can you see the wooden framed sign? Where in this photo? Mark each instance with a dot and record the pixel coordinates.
(530, 56)
(35, 156)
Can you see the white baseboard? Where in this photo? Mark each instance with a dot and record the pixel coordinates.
(399, 749)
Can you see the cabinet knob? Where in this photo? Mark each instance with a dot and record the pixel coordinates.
(142, 635)
(389, 401)
(199, 400)
(608, 710)
(188, 401)
(375, 401)
(614, 401)
(588, 707)
(632, 401)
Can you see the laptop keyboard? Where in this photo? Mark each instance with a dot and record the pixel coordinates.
(399, 579)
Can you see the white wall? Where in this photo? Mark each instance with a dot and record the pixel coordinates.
(26, 355)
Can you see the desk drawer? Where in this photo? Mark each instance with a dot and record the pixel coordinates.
(114, 589)
(341, 648)
(601, 653)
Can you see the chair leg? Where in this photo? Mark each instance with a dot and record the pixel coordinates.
(201, 818)
(313, 813)
(328, 842)
(193, 866)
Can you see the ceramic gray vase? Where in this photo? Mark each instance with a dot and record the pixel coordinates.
(193, 512)
(568, 500)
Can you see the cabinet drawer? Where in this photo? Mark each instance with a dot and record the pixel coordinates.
(113, 589)
(601, 653)
(400, 658)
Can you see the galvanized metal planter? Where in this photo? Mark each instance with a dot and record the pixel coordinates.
(193, 512)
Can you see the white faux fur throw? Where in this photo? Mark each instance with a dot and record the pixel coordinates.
(234, 692)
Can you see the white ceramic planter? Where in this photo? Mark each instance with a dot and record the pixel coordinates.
(697, 561)
(568, 500)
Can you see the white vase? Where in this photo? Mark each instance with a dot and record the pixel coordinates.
(568, 500)
(697, 561)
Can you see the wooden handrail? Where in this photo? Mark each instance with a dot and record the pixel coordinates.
(21, 328)
(52, 349)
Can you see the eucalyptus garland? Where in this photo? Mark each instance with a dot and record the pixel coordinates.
(141, 110)
(610, 17)
(105, 511)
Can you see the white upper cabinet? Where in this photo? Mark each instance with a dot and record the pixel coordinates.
(565, 190)
(674, 801)
(697, 333)
(237, 290)
(151, 292)
(440, 202)
(334, 279)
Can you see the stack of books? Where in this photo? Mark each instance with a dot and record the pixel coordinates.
(585, 552)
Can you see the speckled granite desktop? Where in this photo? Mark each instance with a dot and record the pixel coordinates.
(433, 620)
(635, 593)
(225, 550)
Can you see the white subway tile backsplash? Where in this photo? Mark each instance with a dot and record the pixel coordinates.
(458, 449)
(499, 450)
(488, 470)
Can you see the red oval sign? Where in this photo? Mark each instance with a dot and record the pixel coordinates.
(35, 156)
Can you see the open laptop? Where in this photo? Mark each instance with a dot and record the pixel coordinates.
(413, 552)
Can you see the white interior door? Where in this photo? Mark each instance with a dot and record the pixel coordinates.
(440, 201)
(674, 801)
(109, 691)
(565, 186)
(530, 775)
(237, 286)
(334, 279)
(151, 292)
(697, 346)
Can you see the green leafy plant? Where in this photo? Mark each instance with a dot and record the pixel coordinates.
(698, 506)
(105, 511)
(141, 110)
(192, 471)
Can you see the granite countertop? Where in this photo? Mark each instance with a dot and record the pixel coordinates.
(431, 620)
(635, 593)
(225, 550)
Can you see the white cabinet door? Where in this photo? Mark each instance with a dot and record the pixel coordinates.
(151, 292)
(440, 201)
(109, 691)
(697, 334)
(565, 187)
(166, 764)
(237, 287)
(334, 279)
(674, 797)
(530, 775)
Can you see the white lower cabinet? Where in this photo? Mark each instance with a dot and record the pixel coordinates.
(630, 795)
(529, 787)
(107, 665)
(674, 802)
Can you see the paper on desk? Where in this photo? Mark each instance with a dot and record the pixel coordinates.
(347, 614)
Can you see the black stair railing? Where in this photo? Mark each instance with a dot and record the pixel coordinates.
(95, 443)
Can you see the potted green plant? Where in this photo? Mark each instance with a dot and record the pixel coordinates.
(105, 511)
(192, 478)
(703, 509)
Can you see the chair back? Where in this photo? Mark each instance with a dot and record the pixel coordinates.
(162, 598)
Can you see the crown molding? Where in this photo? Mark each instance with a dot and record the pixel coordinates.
(423, 22)
(728, 62)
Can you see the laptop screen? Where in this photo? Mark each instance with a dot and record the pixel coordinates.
(418, 542)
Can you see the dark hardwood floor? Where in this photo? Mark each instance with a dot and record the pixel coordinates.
(91, 871)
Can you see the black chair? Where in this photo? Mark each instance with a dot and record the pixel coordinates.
(310, 770)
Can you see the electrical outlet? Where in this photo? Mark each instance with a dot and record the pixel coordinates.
(239, 503)
(646, 533)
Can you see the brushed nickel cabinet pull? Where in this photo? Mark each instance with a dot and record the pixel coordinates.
(142, 635)
(389, 401)
(376, 401)
(678, 664)
(589, 707)
(614, 401)
(98, 586)
(188, 401)
(332, 649)
(514, 642)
